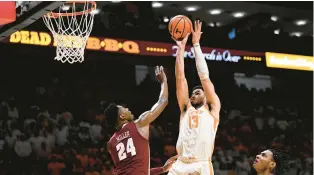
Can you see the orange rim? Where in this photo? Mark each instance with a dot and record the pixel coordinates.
(57, 15)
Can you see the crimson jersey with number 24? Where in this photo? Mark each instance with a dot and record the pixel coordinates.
(129, 151)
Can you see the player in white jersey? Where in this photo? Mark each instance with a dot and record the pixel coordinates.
(199, 114)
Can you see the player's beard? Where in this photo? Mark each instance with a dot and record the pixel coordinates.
(196, 104)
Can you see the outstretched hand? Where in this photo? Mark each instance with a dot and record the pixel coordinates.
(169, 163)
(160, 74)
(196, 32)
(183, 42)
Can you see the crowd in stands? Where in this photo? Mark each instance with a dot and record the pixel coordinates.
(55, 124)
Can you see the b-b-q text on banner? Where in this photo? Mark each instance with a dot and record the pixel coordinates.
(289, 61)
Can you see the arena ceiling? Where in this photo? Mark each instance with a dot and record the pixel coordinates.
(294, 18)
(281, 18)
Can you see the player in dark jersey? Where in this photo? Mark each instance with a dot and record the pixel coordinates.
(129, 145)
(271, 162)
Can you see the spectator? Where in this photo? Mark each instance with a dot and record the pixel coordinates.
(95, 132)
(55, 167)
(23, 150)
(62, 133)
(13, 112)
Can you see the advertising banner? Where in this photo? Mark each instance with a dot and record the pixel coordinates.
(289, 61)
(135, 47)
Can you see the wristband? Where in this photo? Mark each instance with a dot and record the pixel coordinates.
(196, 44)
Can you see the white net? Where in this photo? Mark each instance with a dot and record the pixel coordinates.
(71, 29)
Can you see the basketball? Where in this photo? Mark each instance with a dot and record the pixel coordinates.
(179, 26)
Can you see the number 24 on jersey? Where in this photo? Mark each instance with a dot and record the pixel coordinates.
(124, 149)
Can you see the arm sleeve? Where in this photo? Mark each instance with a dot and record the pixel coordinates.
(201, 64)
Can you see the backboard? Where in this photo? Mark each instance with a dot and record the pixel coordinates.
(27, 12)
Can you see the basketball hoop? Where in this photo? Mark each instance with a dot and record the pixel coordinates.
(71, 29)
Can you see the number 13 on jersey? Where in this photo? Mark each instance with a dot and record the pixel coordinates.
(193, 119)
(130, 148)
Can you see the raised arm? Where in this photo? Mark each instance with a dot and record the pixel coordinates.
(149, 116)
(181, 83)
(203, 73)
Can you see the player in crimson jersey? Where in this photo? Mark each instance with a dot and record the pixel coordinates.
(129, 145)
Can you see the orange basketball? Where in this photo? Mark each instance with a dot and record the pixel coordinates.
(179, 26)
